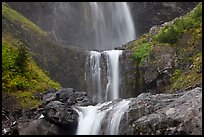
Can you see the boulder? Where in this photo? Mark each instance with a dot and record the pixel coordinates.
(164, 114)
(64, 93)
(80, 99)
(49, 95)
(40, 127)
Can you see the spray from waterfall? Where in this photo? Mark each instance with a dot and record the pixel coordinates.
(112, 24)
(113, 27)
(91, 118)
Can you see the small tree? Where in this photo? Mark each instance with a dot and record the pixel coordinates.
(22, 58)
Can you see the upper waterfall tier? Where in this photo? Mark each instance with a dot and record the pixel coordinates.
(112, 23)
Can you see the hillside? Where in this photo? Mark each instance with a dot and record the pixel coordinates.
(150, 85)
(168, 58)
(71, 21)
(21, 77)
(63, 63)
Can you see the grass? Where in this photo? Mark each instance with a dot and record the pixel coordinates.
(171, 34)
(184, 79)
(184, 37)
(14, 16)
(22, 84)
(141, 52)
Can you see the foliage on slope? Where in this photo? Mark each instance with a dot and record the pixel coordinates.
(63, 63)
(13, 15)
(21, 77)
(184, 37)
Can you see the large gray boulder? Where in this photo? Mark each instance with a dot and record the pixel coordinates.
(40, 127)
(169, 114)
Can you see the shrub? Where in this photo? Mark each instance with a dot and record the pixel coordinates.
(169, 35)
(141, 52)
(197, 14)
(21, 77)
(22, 58)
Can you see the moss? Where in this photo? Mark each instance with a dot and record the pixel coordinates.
(141, 52)
(144, 38)
(168, 35)
(26, 99)
(184, 37)
(14, 16)
(171, 34)
(22, 84)
(190, 77)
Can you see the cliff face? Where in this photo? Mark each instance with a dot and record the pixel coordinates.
(64, 64)
(148, 14)
(166, 59)
(159, 71)
(71, 21)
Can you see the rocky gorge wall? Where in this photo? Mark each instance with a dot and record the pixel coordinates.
(152, 65)
(147, 114)
(71, 21)
(65, 64)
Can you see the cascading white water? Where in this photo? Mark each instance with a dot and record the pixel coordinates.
(112, 24)
(91, 118)
(113, 76)
(95, 70)
(112, 27)
(112, 88)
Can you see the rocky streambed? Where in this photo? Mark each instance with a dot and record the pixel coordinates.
(149, 114)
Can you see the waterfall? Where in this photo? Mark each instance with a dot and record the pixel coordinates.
(113, 27)
(96, 75)
(112, 24)
(91, 118)
(112, 89)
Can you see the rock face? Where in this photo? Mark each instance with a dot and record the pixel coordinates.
(40, 127)
(61, 17)
(64, 64)
(55, 116)
(159, 114)
(147, 14)
(165, 66)
(164, 114)
(132, 79)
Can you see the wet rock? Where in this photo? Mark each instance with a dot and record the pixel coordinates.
(80, 99)
(55, 117)
(164, 114)
(53, 111)
(154, 30)
(60, 114)
(49, 95)
(38, 95)
(40, 127)
(64, 93)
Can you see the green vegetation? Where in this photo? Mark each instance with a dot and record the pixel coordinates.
(192, 76)
(142, 52)
(184, 38)
(21, 77)
(14, 16)
(171, 34)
